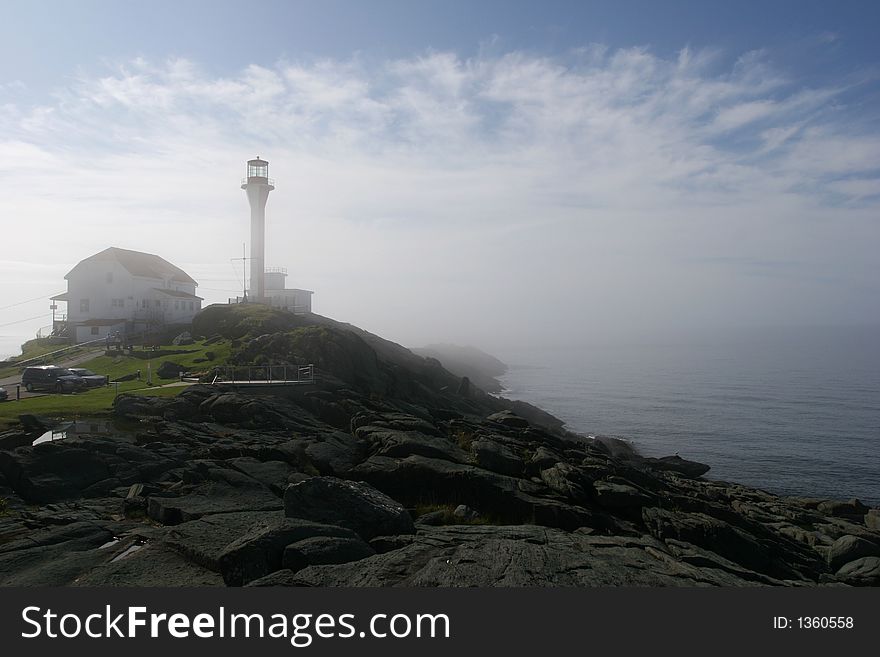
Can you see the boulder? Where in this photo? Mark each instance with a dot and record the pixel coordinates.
(401, 444)
(861, 572)
(169, 370)
(617, 495)
(52, 471)
(334, 453)
(849, 548)
(465, 513)
(872, 519)
(710, 534)
(690, 469)
(261, 552)
(569, 481)
(319, 550)
(354, 505)
(840, 509)
(509, 419)
(496, 457)
(209, 501)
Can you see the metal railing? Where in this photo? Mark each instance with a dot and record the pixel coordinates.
(265, 374)
(271, 181)
(53, 354)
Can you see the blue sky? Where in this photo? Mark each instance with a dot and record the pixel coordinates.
(627, 168)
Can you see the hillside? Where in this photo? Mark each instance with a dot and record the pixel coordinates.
(387, 471)
(481, 368)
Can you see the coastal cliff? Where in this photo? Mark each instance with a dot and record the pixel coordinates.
(389, 470)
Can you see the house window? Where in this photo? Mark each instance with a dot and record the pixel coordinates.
(84, 305)
(190, 305)
(177, 305)
(117, 303)
(157, 303)
(94, 330)
(109, 276)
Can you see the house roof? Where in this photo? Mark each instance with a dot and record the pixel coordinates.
(176, 293)
(59, 297)
(141, 264)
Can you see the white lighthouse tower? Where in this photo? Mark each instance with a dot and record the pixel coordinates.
(258, 185)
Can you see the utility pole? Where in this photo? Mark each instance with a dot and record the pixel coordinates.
(244, 260)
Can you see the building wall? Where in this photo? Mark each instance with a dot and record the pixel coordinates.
(89, 333)
(299, 301)
(106, 290)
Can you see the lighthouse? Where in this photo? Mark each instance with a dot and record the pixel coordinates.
(258, 185)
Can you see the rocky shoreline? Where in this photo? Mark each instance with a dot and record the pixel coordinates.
(390, 471)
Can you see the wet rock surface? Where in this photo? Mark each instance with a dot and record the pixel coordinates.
(388, 473)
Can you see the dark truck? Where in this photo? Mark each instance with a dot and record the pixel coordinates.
(51, 378)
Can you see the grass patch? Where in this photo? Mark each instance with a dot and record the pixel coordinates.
(448, 517)
(464, 439)
(195, 357)
(97, 401)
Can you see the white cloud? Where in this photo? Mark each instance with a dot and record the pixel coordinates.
(451, 186)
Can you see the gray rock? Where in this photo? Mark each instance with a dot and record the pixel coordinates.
(261, 552)
(613, 495)
(432, 518)
(543, 458)
(496, 457)
(861, 572)
(210, 500)
(711, 534)
(837, 508)
(508, 419)
(525, 555)
(355, 505)
(465, 513)
(53, 471)
(510, 499)
(54, 555)
(333, 454)
(152, 565)
(382, 544)
(569, 481)
(320, 550)
(691, 469)
(872, 519)
(849, 548)
(400, 444)
(272, 474)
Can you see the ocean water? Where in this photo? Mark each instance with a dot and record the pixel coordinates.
(792, 412)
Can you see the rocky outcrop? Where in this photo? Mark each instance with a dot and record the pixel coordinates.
(387, 473)
(350, 504)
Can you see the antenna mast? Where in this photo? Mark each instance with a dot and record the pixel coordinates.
(244, 260)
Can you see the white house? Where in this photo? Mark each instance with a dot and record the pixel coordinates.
(128, 292)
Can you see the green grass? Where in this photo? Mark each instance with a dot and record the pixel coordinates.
(116, 366)
(97, 401)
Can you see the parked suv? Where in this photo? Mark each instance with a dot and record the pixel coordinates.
(52, 378)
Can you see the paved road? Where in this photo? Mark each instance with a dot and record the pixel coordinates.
(11, 381)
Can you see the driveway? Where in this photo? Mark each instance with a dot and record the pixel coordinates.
(11, 381)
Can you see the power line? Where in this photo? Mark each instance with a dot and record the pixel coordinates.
(22, 321)
(21, 303)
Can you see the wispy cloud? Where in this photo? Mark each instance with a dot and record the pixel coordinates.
(426, 175)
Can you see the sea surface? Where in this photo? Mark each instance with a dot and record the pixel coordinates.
(790, 411)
